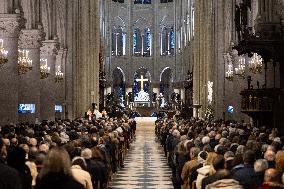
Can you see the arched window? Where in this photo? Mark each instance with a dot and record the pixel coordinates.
(142, 42)
(118, 42)
(137, 42)
(167, 40)
(142, 1)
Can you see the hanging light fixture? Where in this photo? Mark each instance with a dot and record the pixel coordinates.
(58, 75)
(229, 75)
(44, 69)
(3, 53)
(240, 69)
(24, 63)
(256, 63)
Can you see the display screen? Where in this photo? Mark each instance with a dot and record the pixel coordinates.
(230, 109)
(58, 108)
(26, 108)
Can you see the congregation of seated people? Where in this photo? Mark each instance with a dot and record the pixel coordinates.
(79, 154)
(216, 154)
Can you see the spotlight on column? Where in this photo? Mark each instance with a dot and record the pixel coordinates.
(3, 54)
(24, 62)
(44, 69)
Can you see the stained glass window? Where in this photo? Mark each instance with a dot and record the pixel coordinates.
(167, 37)
(142, 1)
(142, 42)
(137, 42)
(148, 36)
(172, 39)
(118, 42)
(123, 44)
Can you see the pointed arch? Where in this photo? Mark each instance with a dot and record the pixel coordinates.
(118, 37)
(122, 72)
(142, 38)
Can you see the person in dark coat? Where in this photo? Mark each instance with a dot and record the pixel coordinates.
(16, 159)
(9, 177)
(56, 172)
(221, 172)
(246, 174)
(96, 167)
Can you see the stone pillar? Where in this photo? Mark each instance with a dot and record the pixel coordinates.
(9, 32)
(60, 87)
(47, 88)
(29, 84)
(203, 53)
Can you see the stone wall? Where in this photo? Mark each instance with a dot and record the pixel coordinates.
(215, 34)
(66, 33)
(155, 16)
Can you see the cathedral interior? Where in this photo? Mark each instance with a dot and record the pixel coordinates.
(220, 58)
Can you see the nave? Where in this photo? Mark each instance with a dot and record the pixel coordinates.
(145, 164)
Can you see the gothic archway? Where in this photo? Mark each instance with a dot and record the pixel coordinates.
(166, 88)
(118, 86)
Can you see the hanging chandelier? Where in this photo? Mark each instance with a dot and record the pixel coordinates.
(240, 69)
(229, 75)
(58, 75)
(24, 62)
(3, 53)
(256, 63)
(44, 69)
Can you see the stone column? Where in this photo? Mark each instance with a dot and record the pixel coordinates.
(203, 53)
(61, 87)
(87, 84)
(47, 85)
(9, 32)
(29, 84)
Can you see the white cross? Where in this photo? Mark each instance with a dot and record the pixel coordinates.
(142, 81)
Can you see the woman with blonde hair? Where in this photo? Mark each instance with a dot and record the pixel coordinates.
(79, 167)
(206, 170)
(56, 172)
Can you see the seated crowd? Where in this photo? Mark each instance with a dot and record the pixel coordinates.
(63, 154)
(210, 155)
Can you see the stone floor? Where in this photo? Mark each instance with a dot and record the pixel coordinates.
(145, 164)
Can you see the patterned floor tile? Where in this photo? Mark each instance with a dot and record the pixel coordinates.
(145, 164)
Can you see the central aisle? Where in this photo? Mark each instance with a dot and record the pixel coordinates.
(145, 164)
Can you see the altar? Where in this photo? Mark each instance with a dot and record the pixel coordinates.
(142, 104)
(142, 99)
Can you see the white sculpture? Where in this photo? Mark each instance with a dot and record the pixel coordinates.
(142, 97)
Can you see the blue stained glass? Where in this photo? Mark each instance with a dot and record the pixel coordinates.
(148, 34)
(121, 90)
(135, 40)
(147, 2)
(123, 43)
(162, 89)
(135, 86)
(172, 39)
